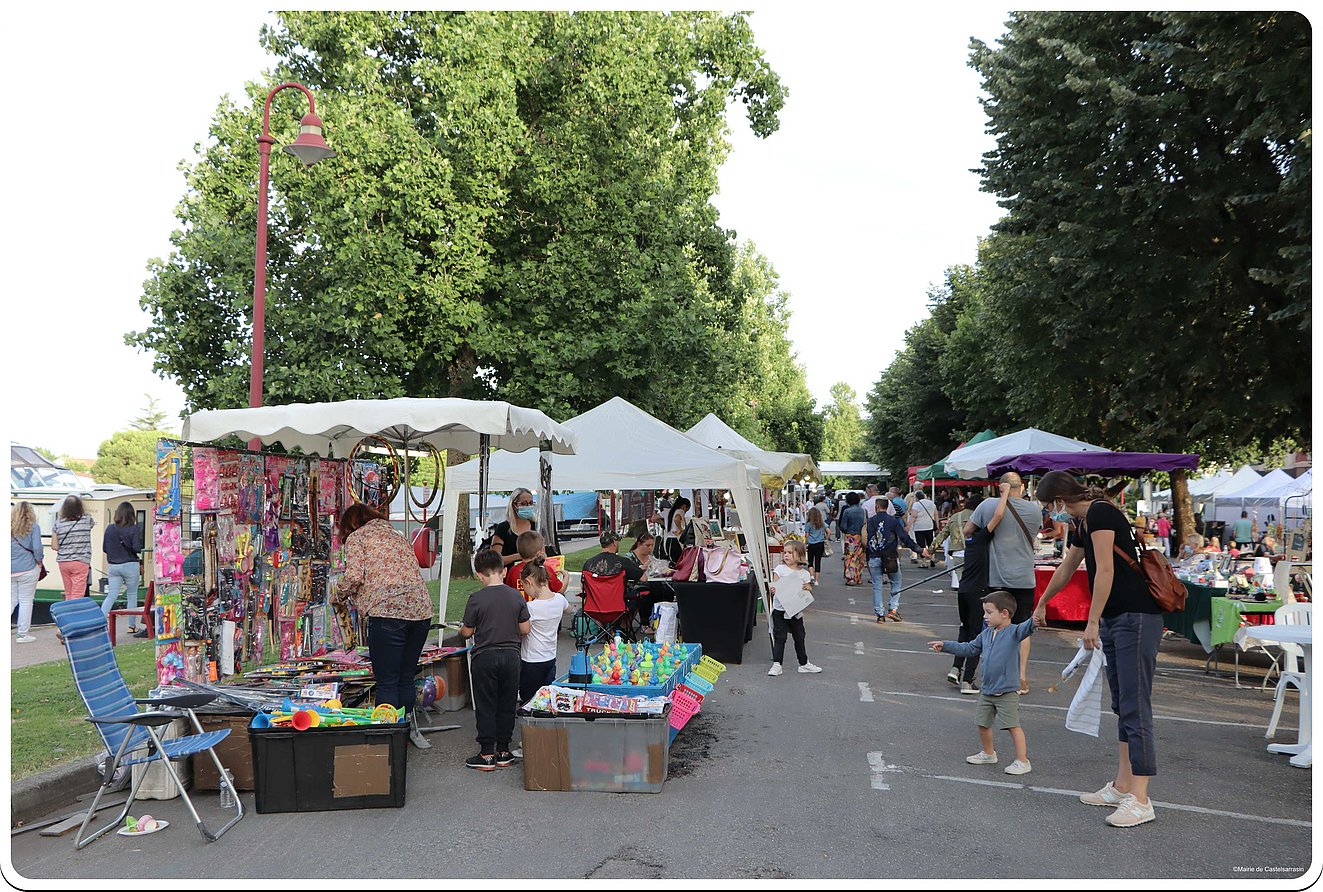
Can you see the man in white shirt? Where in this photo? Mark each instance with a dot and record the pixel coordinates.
(870, 500)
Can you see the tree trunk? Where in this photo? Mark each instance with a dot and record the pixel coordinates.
(1183, 507)
(461, 566)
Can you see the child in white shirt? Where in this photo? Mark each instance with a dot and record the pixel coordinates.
(537, 652)
(791, 568)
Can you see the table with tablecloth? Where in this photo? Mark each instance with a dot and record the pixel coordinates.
(1072, 603)
(1211, 618)
(717, 615)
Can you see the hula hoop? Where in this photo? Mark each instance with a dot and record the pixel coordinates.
(396, 476)
(438, 485)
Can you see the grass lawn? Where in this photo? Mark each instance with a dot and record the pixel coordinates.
(46, 713)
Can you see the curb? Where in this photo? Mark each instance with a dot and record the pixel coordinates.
(52, 790)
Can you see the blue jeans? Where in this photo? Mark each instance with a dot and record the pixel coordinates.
(121, 577)
(1130, 642)
(394, 646)
(875, 570)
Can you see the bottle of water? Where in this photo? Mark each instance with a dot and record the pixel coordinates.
(227, 794)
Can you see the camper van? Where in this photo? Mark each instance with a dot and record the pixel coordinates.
(45, 485)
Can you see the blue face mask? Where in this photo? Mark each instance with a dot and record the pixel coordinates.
(527, 513)
(1060, 516)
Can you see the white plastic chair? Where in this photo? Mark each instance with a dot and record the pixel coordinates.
(1292, 673)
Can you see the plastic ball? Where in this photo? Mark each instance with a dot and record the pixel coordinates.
(428, 696)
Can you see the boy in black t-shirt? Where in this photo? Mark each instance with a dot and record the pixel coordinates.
(496, 617)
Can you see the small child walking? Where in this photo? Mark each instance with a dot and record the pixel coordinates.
(496, 618)
(537, 655)
(790, 570)
(999, 692)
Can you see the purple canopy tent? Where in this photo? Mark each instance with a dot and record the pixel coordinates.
(1106, 464)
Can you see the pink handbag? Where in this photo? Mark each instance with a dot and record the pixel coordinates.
(721, 564)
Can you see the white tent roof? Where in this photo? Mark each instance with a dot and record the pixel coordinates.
(444, 423)
(714, 432)
(1271, 487)
(852, 469)
(971, 462)
(1242, 479)
(1202, 486)
(620, 447)
(1305, 482)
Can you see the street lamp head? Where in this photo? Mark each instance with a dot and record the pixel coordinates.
(310, 147)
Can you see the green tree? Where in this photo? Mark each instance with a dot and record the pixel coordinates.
(1155, 168)
(842, 427)
(521, 209)
(128, 457)
(47, 453)
(152, 418)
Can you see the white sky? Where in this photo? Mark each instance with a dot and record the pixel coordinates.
(861, 199)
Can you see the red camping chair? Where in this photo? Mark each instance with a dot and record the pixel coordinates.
(604, 601)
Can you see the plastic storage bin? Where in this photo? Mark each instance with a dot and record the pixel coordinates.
(604, 753)
(455, 672)
(321, 769)
(644, 690)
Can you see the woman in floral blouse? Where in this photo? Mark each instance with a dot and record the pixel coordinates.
(382, 581)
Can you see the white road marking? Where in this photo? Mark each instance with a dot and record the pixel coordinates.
(877, 766)
(1024, 705)
(865, 693)
(854, 619)
(851, 602)
(970, 780)
(859, 648)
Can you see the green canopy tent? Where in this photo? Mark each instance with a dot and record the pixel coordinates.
(937, 470)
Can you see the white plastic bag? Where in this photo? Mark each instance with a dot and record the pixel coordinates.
(667, 619)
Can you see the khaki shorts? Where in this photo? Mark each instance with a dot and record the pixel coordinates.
(1004, 708)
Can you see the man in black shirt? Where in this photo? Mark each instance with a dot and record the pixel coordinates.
(608, 561)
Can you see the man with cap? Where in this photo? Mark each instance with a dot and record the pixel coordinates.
(608, 561)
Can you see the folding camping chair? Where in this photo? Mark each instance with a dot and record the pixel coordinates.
(606, 604)
(113, 710)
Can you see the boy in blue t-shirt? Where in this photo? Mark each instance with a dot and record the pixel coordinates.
(999, 694)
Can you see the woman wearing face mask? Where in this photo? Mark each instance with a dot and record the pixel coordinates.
(1124, 620)
(520, 517)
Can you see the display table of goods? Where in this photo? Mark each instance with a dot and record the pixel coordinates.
(611, 736)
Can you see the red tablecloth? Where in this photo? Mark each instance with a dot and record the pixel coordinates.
(1072, 602)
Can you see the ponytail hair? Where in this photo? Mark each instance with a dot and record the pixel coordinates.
(535, 571)
(1061, 485)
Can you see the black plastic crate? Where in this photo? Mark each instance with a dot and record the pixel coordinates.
(323, 769)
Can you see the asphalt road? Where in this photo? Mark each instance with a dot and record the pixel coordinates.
(858, 772)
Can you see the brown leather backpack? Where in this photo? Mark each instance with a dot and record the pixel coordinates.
(1168, 591)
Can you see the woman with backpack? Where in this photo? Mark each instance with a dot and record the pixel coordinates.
(1124, 620)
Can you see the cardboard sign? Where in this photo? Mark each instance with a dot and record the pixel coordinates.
(792, 595)
(361, 770)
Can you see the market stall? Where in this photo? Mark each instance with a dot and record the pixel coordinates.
(776, 468)
(972, 461)
(623, 447)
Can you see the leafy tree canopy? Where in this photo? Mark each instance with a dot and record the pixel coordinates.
(128, 457)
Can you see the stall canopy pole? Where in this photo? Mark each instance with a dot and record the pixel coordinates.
(547, 510)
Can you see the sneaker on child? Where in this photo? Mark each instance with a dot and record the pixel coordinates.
(982, 758)
(504, 759)
(809, 667)
(481, 762)
(953, 676)
(1018, 767)
(775, 670)
(968, 687)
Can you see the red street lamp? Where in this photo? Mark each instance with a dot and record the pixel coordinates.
(309, 148)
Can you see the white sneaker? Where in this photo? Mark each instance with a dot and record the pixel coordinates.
(982, 758)
(968, 687)
(1108, 795)
(953, 676)
(1018, 767)
(809, 667)
(24, 639)
(775, 670)
(1131, 814)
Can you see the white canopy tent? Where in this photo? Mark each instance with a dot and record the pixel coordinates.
(971, 462)
(1267, 496)
(334, 428)
(777, 468)
(1201, 486)
(621, 447)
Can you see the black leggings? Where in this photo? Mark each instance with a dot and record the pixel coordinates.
(815, 551)
(971, 623)
(780, 627)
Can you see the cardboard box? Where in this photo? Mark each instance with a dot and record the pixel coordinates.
(604, 753)
(235, 752)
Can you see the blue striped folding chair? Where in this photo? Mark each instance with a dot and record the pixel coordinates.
(131, 736)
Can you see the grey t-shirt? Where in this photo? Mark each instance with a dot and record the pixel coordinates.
(1010, 556)
(494, 612)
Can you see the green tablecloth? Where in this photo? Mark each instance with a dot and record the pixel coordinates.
(1225, 618)
(1210, 618)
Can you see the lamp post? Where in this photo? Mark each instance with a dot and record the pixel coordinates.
(309, 148)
